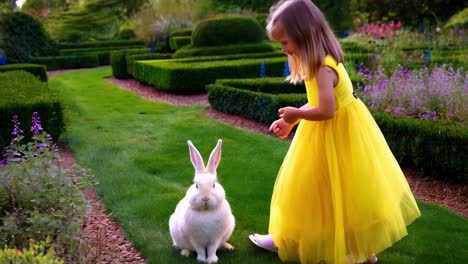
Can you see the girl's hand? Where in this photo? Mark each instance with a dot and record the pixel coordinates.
(281, 128)
(289, 114)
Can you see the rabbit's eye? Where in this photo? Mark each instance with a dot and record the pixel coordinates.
(213, 185)
(196, 185)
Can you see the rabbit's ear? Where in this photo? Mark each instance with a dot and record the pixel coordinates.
(215, 157)
(196, 158)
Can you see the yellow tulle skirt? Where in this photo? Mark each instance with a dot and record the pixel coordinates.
(340, 194)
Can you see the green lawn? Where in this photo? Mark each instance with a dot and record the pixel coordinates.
(138, 152)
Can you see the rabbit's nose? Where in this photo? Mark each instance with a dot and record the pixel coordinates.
(206, 199)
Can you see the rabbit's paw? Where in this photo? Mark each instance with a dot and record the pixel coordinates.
(185, 252)
(212, 259)
(228, 246)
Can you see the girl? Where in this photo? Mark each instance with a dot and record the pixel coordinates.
(340, 195)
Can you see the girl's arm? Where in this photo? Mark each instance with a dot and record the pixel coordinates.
(326, 80)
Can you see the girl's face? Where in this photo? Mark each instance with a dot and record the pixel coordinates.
(287, 45)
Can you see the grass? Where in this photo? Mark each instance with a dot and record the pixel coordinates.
(138, 152)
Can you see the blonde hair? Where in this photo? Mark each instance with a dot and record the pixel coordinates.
(307, 27)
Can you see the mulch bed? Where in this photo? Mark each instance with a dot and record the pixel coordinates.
(109, 240)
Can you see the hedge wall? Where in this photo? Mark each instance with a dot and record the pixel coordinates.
(22, 94)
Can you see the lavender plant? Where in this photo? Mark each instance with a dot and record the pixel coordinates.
(440, 94)
(41, 198)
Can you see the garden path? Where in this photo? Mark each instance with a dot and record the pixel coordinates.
(109, 240)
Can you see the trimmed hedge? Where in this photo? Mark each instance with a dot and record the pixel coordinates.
(40, 71)
(98, 44)
(176, 43)
(189, 51)
(437, 149)
(185, 76)
(68, 62)
(227, 31)
(258, 105)
(132, 58)
(182, 32)
(22, 94)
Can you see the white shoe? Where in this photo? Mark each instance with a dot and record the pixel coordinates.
(264, 241)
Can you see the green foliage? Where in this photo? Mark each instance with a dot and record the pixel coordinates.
(245, 97)
(437, 149)
(176, 43)
(70, 61)
(132, 58)
(127, 33)
(24, 37)
(96, 19)
(412, 13)
(22, 94)
(111, 44)
(37, 70)
(184, 76)
(182, 32)
(227, 31)
(44, 199)
(35, 253)
(190, 51)
(337, 13)
(460, 18)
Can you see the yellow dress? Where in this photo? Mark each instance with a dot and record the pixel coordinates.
(340, 194)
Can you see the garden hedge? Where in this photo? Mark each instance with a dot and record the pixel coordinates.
(227, 31)
(101, 44)
(22, 94)
(190, 51)
(40, 71)
(191, 77)
(68, 62)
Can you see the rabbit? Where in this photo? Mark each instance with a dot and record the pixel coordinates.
(202, 220)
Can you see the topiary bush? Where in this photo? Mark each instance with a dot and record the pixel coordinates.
(24, 37)
(227, 31)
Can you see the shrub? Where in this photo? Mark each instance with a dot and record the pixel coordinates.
(191, 77)
(35, 253)
(190, 51)
(24, 37)
(227, 31)
(21, 93)
(182, 32)
(176, 43)
(127, 33)
(69, 61)
(43, 198)
(245, 97)
(40, 71)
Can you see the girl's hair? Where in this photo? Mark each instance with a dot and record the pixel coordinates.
(306, 26)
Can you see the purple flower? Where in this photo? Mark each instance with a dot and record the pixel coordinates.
(16, 129)
(36, 125)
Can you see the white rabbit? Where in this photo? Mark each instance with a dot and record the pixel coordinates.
(202, 220)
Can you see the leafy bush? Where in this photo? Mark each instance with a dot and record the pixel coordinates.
(100, 44)
(227, 31)
(191, 77)
(24, 37)
(40, 71)
(43, 198)
(69, 61)
(127, 33)
(182, 32)
(35, 253)
(190, 51)
(433, 147)
(21, 94)
(228, 97)
(176, 43)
